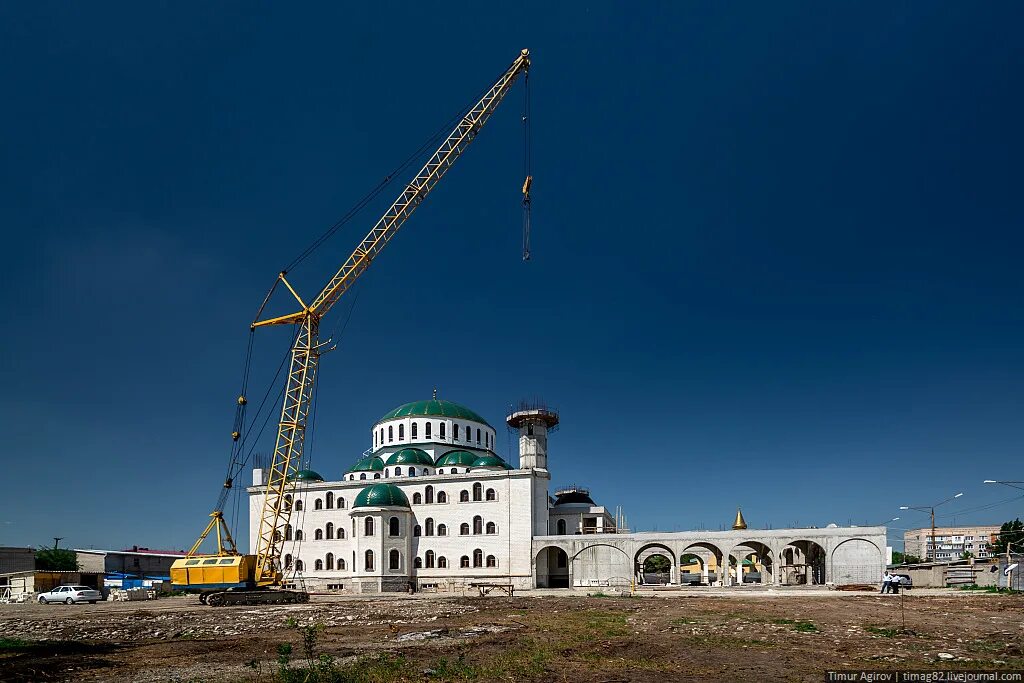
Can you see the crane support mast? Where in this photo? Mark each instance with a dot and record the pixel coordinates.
(306, 350)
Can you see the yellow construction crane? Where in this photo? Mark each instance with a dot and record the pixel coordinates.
(229, 577)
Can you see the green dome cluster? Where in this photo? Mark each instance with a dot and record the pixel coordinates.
(381, 495)
(370, 463)
(458, 458)
(410, 456)
(490, 461)
(305, 475)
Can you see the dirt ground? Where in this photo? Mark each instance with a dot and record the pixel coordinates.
(688, 636)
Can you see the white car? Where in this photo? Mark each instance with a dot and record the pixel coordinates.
(70, 595)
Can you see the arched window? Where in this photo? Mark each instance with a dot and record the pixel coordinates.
(376, 475)
(382, 435)
(287, 501)
(426, 430)
(287, 561)
(287, 532)
(277, 535)
(440, 429)
(417, 563)
(455, 432)
(329, 531)
(492, 528)
(299, 566)
(492, 494)
(368, 527)
(330, 501)
(298, 505)
(442, 562)
(478, 558)
(414, 430)
(464, 529)
(369, 561)
(401, 432)
(398, 471)
(318, 535)
(428, 527)
(442, 497)
(478, 524)
(478, 491)
(416, 530)
(477, 437)
(391, 433)
(417, 499)
(341, 503)
(560, 527)
(341, 563)
(341, 531)
(464, 496)
(394, 559)
(330, 561)
(430, 559)
(318, 504)
(442, 530)
(469, 434)
(298, 535)
(412, 471)
(464, 562)
(492, 561)
(362, 477)
(393, 526)
(318, 565)
(441, 471)
(429, 493)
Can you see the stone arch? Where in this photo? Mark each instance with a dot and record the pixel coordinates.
(856, 560)
(760, 553)
(602, 564)
(551, 567)
(648, 550)
(802, 562)
(707, 552)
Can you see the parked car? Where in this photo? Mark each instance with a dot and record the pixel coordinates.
(905, 581)
(70, 595)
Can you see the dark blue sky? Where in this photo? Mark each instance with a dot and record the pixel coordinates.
(776, 249)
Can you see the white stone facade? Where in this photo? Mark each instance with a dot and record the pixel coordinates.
(487, 523)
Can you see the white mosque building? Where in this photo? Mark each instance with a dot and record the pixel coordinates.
(431, 505)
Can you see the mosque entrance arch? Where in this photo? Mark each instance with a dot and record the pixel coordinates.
(552, 568)
(802, 563)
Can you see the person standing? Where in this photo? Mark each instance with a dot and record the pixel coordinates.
(894, 584)
(886, 582)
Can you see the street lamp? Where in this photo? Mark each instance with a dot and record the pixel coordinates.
(1013, 484)
(930, 509)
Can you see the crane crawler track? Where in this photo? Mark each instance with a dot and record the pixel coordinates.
(267, 597)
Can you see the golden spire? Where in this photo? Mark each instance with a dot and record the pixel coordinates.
(740, 523)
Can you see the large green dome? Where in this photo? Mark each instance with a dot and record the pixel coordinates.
(490, 461)
(370, 463)
(434, 408)
(460, 458)
(381, 495)
(305, 475)
(410, 456)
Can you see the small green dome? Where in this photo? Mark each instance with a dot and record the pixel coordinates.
(381, 495)
(305, 475)
(434, 408)
(490, 461)
(460, 458)
(410, 456)
(370, 463)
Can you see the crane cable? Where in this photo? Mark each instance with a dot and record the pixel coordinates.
(527, 162)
